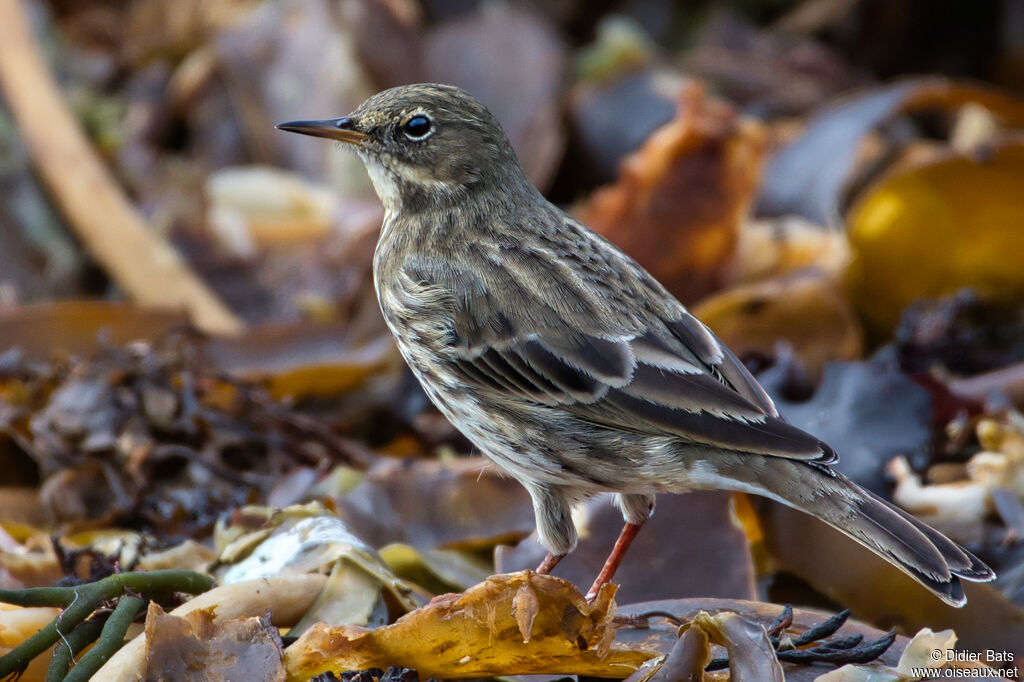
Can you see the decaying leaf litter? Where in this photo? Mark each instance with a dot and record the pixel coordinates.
(852, 237)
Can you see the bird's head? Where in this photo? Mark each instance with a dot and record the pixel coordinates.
(423, 145)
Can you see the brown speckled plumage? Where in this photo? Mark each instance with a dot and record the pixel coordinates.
(563, 360)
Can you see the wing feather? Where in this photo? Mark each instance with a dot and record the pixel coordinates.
(661, 397)
(717, 358)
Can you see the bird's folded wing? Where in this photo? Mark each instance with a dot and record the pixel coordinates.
(659, 374)
(665, 382)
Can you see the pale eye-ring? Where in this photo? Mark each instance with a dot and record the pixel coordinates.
(417, 127)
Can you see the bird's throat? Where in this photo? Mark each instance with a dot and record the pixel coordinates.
(384, 184)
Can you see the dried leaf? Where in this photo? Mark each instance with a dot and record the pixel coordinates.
(21, 505)
(309, 539)
(301, 360)
(156, 433)
(352, 596)
(680, 200)
(477, 633)
(686, 661)
(646, 97)
(804, 309)
(772, 247)
(188, 555)
(751, 655)
(436, 570)
(646, 625)
(196, 647)
(808, 176)
(920, 652)
(955, 219)
(286, 599)
(460, 503)
(967, 500)
(79, 327)
(18, 624)
(27, 557)
(255, 207)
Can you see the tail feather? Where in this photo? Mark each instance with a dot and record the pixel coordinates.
(961, 562)
(919, 550)
(909, 546)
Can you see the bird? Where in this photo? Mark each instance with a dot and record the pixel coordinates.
(565, 362)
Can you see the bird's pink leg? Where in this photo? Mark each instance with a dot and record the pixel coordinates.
(549, 563)
(629, 532)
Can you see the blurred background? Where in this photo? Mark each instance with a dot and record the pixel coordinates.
(836, 187)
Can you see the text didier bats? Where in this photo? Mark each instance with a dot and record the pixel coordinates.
(987, 656)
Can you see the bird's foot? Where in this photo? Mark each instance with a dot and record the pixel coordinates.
(549, 563)
(629, 532)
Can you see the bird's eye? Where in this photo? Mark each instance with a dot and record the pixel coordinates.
(417, 127)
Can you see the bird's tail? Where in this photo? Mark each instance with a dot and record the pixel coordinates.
(919, 550)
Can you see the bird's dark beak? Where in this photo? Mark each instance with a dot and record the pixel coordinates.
(343, 129)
